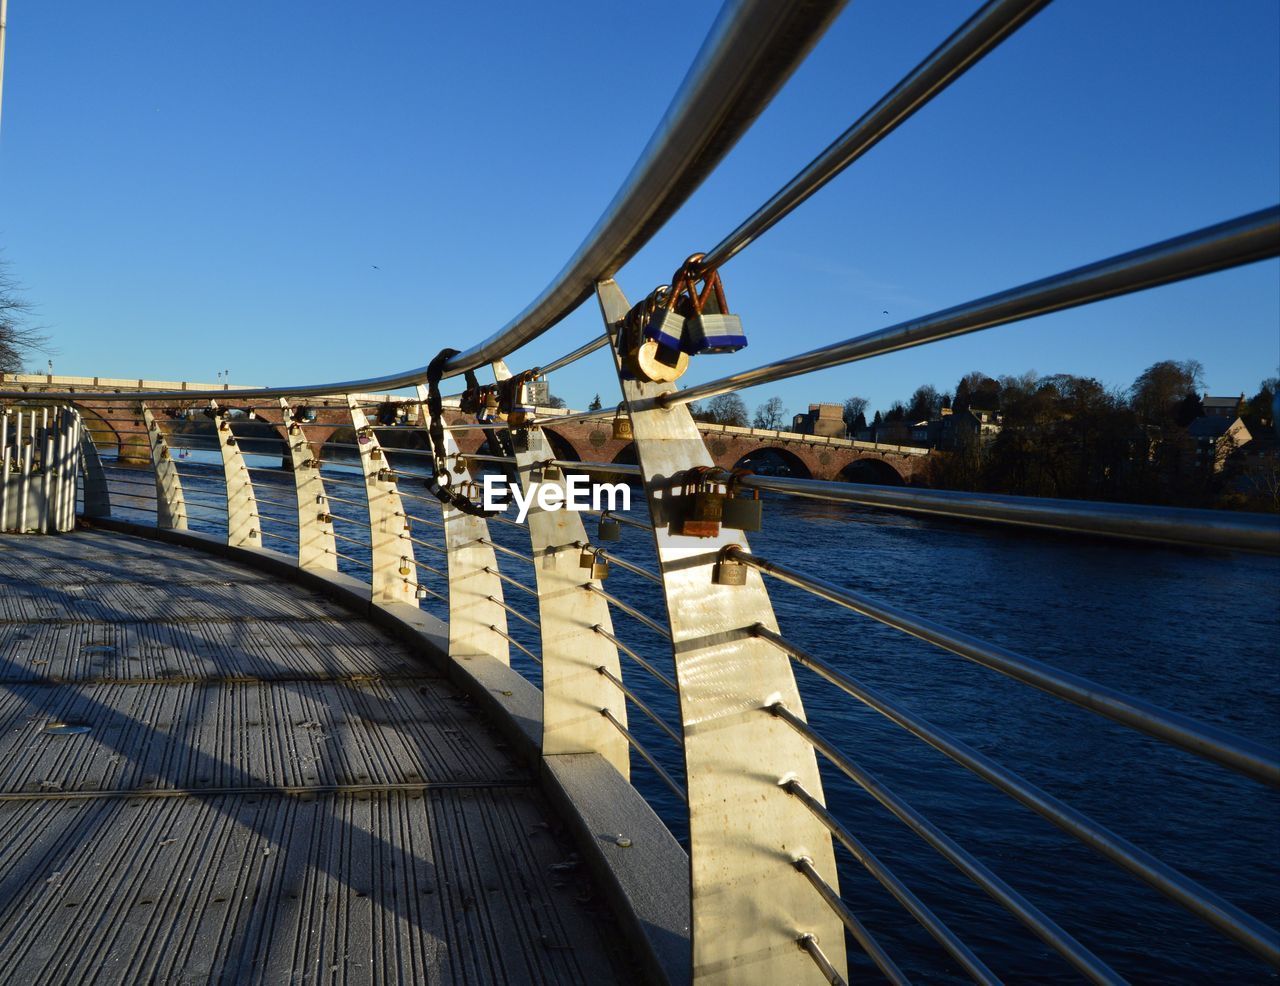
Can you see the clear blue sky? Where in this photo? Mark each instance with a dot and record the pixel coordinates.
(186, 187)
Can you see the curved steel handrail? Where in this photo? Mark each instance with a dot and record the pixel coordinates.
(750, 51)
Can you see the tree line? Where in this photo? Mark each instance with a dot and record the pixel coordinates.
(1069, 436)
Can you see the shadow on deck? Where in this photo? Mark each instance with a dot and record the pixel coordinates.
(269, 789)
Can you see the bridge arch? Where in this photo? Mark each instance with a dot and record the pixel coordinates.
(873, 470)
(775, 460)
(626, 455)
(561, 447)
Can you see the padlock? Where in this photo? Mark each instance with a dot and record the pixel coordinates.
(622, 426)
(742, 513)
(324, 518)
(711, 329)
(420, 592)
(386, 476)
(654, 363)
(608, 529)
(404, 565)
(587, 558)
(663, 324)
(702, 505)
(375, 454)
(520, 396)
(650, 339)
(715, 333)
(534, 392)
(551, 474)
(599, 567)
(223, 425)
(728, 570)
(231, 440)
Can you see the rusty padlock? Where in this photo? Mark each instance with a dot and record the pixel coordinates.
(701, 504)
(710, 329)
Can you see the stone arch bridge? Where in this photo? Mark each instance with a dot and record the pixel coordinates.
(119, 424)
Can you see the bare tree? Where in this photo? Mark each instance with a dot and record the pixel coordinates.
(18, 339)
(771, 415)
(727, 409)
(855, 413)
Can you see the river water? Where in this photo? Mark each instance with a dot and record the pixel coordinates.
(1192, 631)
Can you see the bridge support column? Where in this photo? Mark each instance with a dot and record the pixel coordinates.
(750, 905)
(317, 548)
(389, 545)
(171, 507)
(243, 524)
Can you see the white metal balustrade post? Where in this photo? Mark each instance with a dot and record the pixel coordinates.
(244, 526)
(389, 545)
(25, 444)
(573, 689)
(317, 547)
(750, 905)
(46, 443)
(477, 620)
(6, 471)
(171, 507)
(97, 497)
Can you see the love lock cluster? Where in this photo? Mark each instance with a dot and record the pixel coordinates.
(678, 320)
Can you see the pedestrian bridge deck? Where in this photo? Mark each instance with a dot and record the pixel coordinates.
(270, 789)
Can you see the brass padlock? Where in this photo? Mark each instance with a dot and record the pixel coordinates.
(622, 426)
(655, 363)
(742, 513)
(324, 518)
(702, 505)
(386, 476)
(587, 558)
(600, 567)
(375, 454)
(608, 529)
(404, 565)
(728, 570)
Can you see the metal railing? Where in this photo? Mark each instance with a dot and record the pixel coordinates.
(715, 673)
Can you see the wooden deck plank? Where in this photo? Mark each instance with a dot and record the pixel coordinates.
(270, 790)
